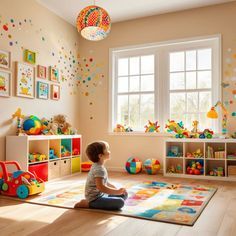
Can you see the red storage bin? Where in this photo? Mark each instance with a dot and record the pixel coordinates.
(75, 146)
(41, 170)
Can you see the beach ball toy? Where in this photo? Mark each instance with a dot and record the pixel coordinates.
(32, 125)
(133, 165)
(151, 166)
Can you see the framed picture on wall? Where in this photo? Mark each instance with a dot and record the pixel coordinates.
(42, 90)
(30, 56)
(55, 92)
(42, 72)
(5, 83)
(5, 59)
(54, 74)
(24, 80)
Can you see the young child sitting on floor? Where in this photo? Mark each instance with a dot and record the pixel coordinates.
(99, 193)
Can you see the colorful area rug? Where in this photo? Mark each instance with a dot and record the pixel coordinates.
(158, 201)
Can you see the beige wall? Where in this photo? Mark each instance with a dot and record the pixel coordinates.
(219, 19)
(45, 33)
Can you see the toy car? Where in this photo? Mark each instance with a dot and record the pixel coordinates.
(19, 183)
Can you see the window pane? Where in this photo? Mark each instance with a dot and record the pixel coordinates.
(191, 82)
(177, 61)
(134, 65)
(176, 81)
(189, 120)
(123, 66)
(204, 101)
(147, 83)
(205, 122)
(177, 117)
(134, 110)
(192, 102)
(177, 103)
(134, 83)
(191, 60)
(123, 84)
(147, 64)
(204, 59)
(204, 79)
(146, 108)
(122, 109)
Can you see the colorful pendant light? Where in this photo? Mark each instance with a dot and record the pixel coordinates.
(93, 23)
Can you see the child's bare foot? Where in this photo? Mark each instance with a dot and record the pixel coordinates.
(82, 204)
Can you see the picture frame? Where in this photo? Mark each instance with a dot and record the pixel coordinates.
(54, 74)
(55, 92)
(5, 59)
(29, 56)
(42, 90)
(5, 83)
(25, 75)
(41, 72)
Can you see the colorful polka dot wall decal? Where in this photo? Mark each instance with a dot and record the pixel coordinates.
(89, 76)
(234, 114)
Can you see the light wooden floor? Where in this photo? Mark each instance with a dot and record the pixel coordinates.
(218, 218)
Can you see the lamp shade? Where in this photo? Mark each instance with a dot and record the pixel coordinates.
(93, 23)
(212, 113)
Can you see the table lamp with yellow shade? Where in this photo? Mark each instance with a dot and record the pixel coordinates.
(214, 115)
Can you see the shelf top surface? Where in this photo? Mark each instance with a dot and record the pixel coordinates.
(197, 140)
(45, 137)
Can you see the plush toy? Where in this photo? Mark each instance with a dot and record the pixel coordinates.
(63, 126)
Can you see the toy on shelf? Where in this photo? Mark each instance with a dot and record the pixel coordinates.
(196, 154)
(65, 151)
(174, 151)
(19, 183)
(52, 154)
(86, 166)
(151, 166)
(195, 167)
(152, 127)
(19, 116)
(75, 152)
(63, 127)
(175, 169)
(206, 133)
(218, 171)
(36, 157)
(32, 125)
(177, 129)
(133, 165)
(119, 128)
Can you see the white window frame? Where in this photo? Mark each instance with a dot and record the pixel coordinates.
(162, 50)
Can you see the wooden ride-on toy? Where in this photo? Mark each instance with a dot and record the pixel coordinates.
(19, 183)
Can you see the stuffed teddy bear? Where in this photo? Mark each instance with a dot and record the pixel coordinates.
(63, 127)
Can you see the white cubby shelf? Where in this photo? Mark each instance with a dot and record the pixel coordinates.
(200, 158)
(48, 156)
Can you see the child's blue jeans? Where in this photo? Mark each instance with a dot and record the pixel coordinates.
(109, 202)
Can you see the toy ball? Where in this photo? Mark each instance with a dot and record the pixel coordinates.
(151, 166)
(86, 166)
(32, 125)
(133, 165)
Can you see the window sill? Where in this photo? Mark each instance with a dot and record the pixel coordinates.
(149, 134)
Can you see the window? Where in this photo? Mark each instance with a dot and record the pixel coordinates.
(172, 80)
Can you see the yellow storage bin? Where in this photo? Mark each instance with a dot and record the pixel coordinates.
(76, 164)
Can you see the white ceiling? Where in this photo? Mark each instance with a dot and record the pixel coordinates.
(121, 10)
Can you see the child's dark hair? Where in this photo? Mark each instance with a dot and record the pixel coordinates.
(94, 149)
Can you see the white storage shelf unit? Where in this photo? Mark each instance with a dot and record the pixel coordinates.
(200, 158)
(61, 154)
